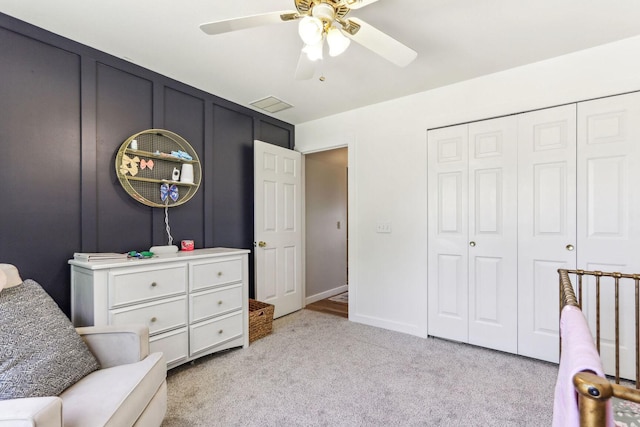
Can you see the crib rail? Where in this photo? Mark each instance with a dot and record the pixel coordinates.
(570, 297)
(594, 391)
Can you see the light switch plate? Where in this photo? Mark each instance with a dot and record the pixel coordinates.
(383, 227)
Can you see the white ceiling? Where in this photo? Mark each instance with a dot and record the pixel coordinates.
(456, 40)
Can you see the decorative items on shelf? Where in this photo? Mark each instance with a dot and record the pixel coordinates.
(159, 168)
(186, 175)
(167, 191)
(129, 165)
(154, 157)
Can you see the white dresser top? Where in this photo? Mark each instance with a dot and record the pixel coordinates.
(178, 256)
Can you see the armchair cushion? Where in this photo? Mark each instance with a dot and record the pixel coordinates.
(41, 354)
(132, 342)
(116, 396)
(30, 412)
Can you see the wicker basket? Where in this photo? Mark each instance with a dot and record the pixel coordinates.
(260, 319)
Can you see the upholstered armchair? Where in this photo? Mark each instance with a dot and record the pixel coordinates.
(128, 389)
(52, 375)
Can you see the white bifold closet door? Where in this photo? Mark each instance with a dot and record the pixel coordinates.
(512, 200)
(609, 213)
(473, 233)
(546, 223)
(493, 239)
(448, 233)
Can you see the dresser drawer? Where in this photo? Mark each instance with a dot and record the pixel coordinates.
(215, 273)
(214, 302)
(159, 316)
(174, 345)
(210, 333)
(132, 287)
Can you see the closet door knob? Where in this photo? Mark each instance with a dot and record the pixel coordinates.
(569, 247)
(472, 244)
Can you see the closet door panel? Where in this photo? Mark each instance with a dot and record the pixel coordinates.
(609, 211)
(448, 229)
(546, 223)
(487, 282)
(607, 198)
(492, 242)
(488, 202)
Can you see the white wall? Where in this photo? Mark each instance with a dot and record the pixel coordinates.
(387, 166)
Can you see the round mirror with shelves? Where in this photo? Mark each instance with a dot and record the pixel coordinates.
(158, 168)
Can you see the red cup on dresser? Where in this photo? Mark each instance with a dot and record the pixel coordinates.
(186, 245)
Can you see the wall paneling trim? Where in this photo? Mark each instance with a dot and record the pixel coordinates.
(65, 109)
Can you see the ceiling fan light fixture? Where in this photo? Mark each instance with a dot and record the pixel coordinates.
(311, 30)
(323, 11)
(314, 51)
(337, 41)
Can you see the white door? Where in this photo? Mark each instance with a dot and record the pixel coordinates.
(493, 223)
(546, 223)
(448, 233)
(277, 222)
(609, 212)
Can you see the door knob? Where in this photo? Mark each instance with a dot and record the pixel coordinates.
(569, 247)
(262, 244)
(472, 244)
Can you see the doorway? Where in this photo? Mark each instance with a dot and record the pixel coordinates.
(331, 306)
(326, 233)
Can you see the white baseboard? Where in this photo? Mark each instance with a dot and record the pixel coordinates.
(326, 294)
(390, 325)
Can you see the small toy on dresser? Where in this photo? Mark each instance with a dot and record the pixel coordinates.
(187, 245)
(139, 255)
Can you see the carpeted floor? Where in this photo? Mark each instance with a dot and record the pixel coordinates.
(321, 370)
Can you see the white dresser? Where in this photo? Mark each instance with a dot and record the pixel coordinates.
(194, 303)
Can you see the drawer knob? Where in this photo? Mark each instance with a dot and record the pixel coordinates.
(154, 284)
(220, 331)
(220, 302)
(219, 273)
(153, 319)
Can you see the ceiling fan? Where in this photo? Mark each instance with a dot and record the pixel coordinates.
(321, 20)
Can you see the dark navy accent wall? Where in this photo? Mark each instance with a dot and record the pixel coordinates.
(184, 115)
(123, 105)
(65, 109)
(39, 151)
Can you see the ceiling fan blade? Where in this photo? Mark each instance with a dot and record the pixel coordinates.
(380, 43)
(357, 4)
(251, 21)
(306, 68)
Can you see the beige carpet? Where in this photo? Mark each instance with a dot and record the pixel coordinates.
(322, 370)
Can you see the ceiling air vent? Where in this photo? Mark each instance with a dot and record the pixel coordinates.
(271, 104)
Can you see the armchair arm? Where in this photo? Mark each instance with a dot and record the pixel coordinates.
(116, 345)
(31, 412)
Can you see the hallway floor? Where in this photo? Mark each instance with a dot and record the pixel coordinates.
(330, 307)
